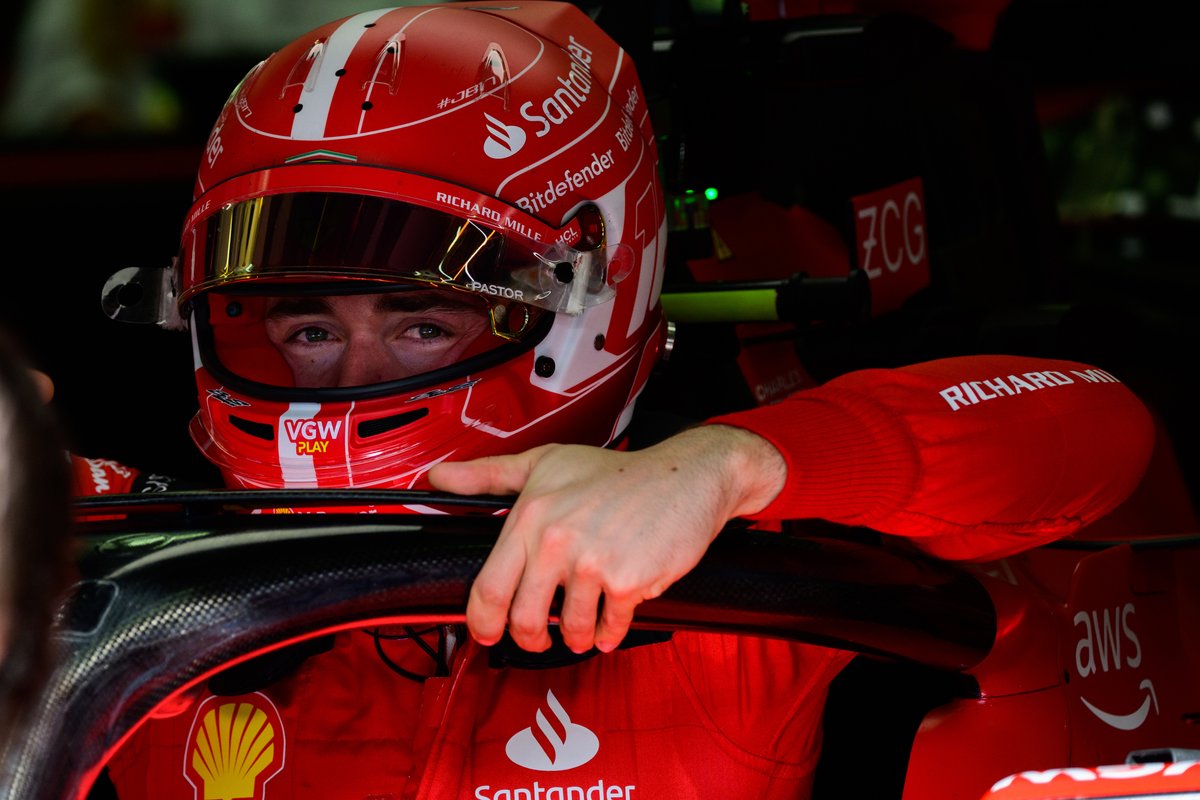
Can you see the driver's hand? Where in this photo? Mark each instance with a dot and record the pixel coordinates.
(612, 528)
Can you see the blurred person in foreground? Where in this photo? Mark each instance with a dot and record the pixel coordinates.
(35, 554)
(426, 250)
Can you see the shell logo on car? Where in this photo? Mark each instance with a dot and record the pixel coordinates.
(234, 747)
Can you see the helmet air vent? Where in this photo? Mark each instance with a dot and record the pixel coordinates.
(374, 427)
(387, 65)
(304, 72)
(259, 430)
(493, 72)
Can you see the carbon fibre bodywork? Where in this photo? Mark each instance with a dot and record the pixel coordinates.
(181, 585)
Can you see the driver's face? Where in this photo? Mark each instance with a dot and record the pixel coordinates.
(356, 340)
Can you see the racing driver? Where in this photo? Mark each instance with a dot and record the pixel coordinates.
(426, 250)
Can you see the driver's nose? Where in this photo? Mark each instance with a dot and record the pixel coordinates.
(368, 360)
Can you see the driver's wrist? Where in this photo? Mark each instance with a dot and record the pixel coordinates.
(753, 472)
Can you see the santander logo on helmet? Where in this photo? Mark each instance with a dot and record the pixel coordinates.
(570, 92)
(503, 140)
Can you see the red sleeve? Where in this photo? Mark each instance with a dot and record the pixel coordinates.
(972, 458)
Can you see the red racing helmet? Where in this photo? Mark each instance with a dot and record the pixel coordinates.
(499, 152)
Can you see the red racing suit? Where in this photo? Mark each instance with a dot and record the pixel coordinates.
(969, 458)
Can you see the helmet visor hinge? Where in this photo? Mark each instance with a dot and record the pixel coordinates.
(142, 295)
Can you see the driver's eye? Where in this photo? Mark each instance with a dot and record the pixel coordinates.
(429, 331)
(315, 334)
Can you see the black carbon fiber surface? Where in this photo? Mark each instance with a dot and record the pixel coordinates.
(169, 599)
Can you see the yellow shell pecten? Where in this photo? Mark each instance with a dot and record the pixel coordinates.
(235, 743)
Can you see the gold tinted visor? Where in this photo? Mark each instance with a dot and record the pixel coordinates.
(312, 236)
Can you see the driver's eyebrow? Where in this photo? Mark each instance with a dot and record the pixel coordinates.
(424, 301)
(298, 307)
(390, 301)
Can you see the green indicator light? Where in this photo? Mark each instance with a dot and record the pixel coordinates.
(710, 193)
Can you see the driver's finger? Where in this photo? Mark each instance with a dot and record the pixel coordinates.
(488, 475)
(579, 611)
(493, 589)
(529, 616)
(615, 618)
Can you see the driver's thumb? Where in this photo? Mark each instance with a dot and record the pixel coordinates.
(487, 475)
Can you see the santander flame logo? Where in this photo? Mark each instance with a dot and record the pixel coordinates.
(554, 743)
(503, 140)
